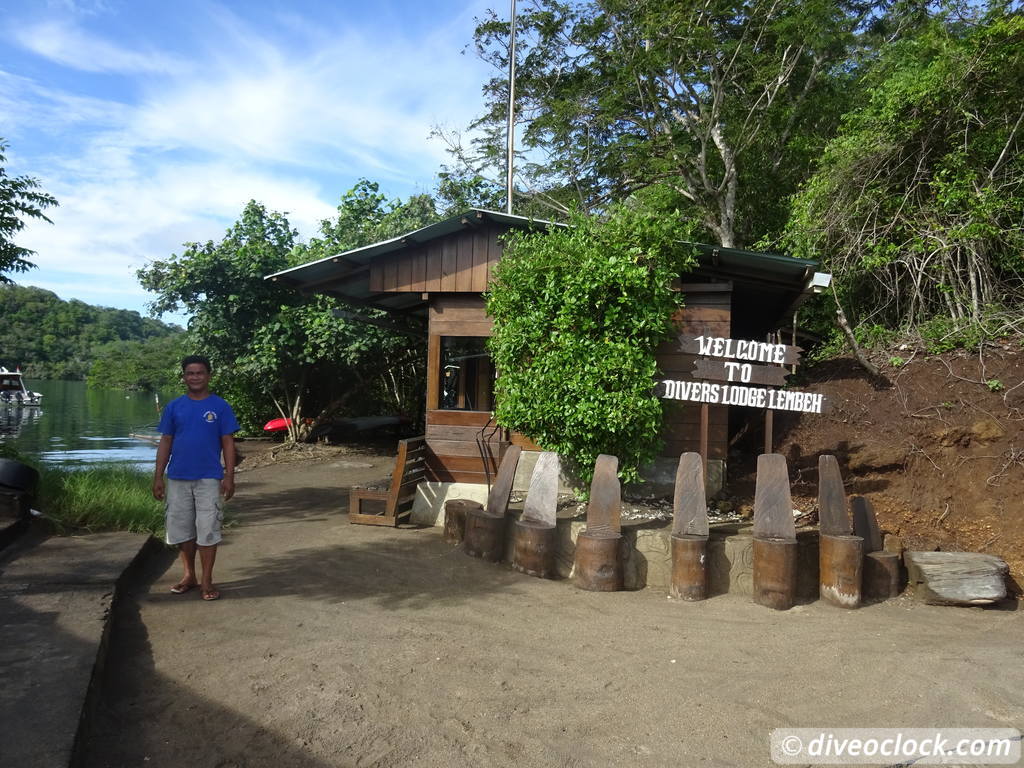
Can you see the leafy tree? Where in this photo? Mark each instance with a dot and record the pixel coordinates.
(365, 216)
(593, 299)
(459, 190)
(221, 286)
(387, 369)
(724, 104)
(274, 349)
(916, 206)
(20, 198)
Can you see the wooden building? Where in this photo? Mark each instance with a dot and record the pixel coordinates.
(436, 277)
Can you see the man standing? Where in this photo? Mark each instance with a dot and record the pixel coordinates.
(195, 430)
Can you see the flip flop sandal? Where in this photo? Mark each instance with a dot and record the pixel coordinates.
(211, 594)
(181, 589)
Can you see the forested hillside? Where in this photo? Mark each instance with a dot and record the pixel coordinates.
(55, 339)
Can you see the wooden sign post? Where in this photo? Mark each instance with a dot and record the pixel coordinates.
(740, 372)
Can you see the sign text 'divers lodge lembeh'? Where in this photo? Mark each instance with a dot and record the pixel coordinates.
(727, 368)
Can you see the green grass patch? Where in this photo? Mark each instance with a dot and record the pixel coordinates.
(111, 498)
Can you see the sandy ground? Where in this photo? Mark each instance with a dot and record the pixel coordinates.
(342, 645)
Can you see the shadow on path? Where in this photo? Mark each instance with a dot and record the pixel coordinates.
(138, 706)
(397, 569)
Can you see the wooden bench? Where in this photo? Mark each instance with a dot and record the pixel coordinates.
(386, 506)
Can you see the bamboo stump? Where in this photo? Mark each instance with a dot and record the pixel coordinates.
(883, 570)
(534, 536)
(882, 576)
(485, 527)
(485, 535)
(775, 573)
(455, 519)
(598, 554)
(775, 546)
(534, 547)
(689, 530)
(689, 567)
(841, 570)
(598, 562)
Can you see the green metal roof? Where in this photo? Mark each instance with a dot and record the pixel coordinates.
(346, 275)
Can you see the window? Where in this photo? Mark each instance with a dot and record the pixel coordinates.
(467, 376)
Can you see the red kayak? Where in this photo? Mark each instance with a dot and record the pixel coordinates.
(277, 425)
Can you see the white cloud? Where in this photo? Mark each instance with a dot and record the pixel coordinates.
(72, 47)
(356, 104)
(113, 223)
(28, 106)
(177, 155)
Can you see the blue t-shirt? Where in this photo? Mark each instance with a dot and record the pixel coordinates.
(197, 427)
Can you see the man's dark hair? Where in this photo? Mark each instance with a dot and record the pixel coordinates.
(187, 361)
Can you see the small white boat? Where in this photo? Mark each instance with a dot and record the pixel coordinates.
(13, 390)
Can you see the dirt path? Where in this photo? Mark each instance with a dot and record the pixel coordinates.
(339, 645)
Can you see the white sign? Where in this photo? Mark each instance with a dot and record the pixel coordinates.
(752, 397)
(755, 351)
(739, 349)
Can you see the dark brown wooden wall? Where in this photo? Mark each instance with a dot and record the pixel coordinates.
(459, 263)
(453, 454)
(707, 311)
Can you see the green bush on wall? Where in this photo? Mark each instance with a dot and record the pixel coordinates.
(578, 312)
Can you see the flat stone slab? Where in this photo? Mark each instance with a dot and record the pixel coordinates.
(689, 503)
(956, 578)
(604, 510)
(55, 601)
(832, 513)
(497, 499)
(541, 504)
(773, 505)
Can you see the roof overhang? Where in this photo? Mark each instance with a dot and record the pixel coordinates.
(767, 287)
(347, 275)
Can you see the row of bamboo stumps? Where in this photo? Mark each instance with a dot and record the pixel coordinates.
(852, 564)
(534, 535)
(852, 567)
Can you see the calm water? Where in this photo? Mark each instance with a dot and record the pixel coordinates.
(79, 427)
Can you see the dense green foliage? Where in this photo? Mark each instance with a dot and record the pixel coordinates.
(578, 312)
(55, 339)
(725, 104)
(365, 216)
(918, 206)
(149, 365)
(20, 199)
(274, 351)
(882, 139)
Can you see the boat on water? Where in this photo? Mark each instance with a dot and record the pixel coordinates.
(13, 390)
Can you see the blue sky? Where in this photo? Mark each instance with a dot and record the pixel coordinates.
(154, 122)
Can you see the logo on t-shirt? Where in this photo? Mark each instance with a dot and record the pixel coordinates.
(210, 416)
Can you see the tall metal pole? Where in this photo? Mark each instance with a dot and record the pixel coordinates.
(511, 108)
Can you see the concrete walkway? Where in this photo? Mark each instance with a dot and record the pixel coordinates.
(55, 599)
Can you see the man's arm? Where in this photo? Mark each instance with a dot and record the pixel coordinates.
(163, 454)
(227, 485)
